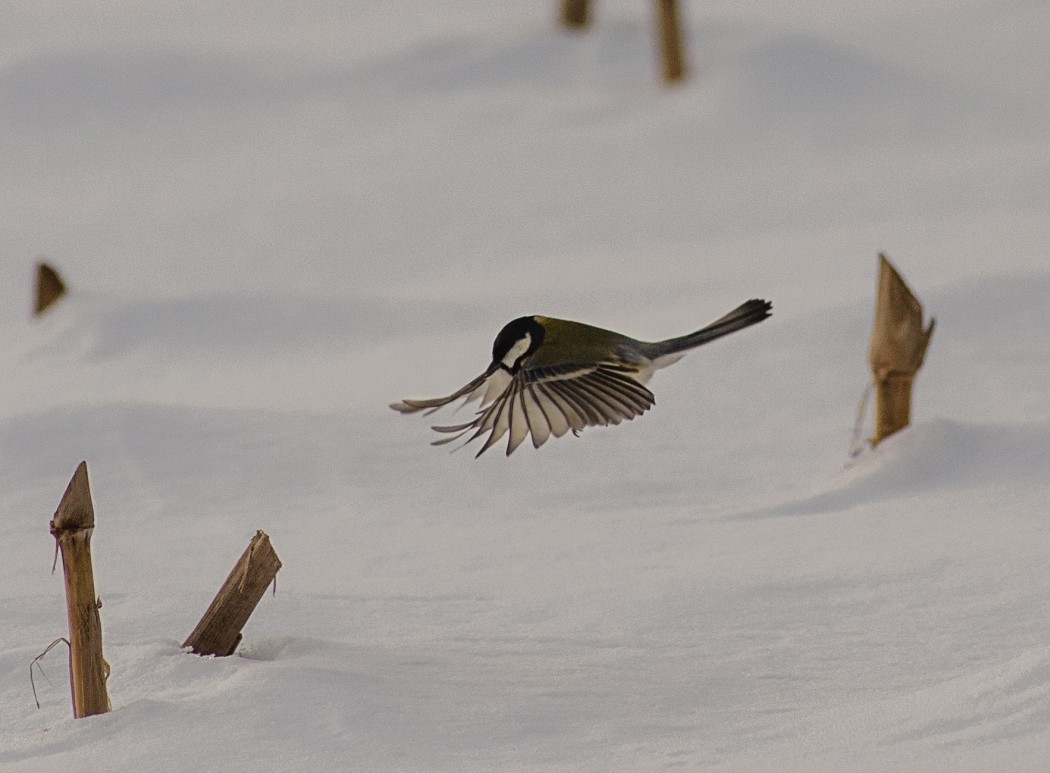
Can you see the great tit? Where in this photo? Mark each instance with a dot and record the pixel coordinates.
(549, 376)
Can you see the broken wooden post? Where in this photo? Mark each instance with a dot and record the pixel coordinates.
(574, 13)
(71, 527)
(670, 40)
(219, 631)
(49, 288)
(898, 347)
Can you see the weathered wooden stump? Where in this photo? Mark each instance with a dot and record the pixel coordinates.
(897, 350)
(219, 631)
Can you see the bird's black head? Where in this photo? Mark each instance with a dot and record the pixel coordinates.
(516, 341)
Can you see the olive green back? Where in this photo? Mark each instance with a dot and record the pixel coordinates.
(574, 342)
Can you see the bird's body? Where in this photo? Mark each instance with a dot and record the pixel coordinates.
(566, 341)
(548, 376)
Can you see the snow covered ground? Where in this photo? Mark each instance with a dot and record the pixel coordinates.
(276, 220)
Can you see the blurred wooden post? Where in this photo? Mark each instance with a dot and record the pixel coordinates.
(49, 288)
(574, 13)
(670, 40)
(898, 347)
(219, 631)
(71, 527)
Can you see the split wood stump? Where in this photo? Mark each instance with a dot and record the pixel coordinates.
(219, 631)
(897, 350)
(71, 527)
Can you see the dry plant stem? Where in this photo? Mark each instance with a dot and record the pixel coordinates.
(892, 404)
(219, 631)
(574, 13)
(671, 46)
(72, 527)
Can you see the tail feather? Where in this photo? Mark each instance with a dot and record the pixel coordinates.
(744, 315)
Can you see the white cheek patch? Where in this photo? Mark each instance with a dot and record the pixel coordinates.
(516, 351)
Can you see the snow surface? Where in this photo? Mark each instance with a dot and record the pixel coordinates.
(277, 219)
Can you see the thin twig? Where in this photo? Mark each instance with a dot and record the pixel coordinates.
(856, 445)
(36, 662)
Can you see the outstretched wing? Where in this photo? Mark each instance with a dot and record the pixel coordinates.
(489, 384)
(545, 401)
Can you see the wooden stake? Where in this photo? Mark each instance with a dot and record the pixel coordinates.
(219, 631)
(574, 13)
(71, 527)
(49, 288)
(897, 350)
(670, 40)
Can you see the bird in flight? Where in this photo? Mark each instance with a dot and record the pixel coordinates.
(549, 376)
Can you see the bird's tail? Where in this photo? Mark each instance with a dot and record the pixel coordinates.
(744, 315)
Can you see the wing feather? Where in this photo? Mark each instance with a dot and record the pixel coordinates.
(626, 396)
(536, 417)
(561, 415)
(500, 420)
(586, 414)
(495, 386)
(541, 402)
(629, 386)
(520, 427)
(610, 409)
